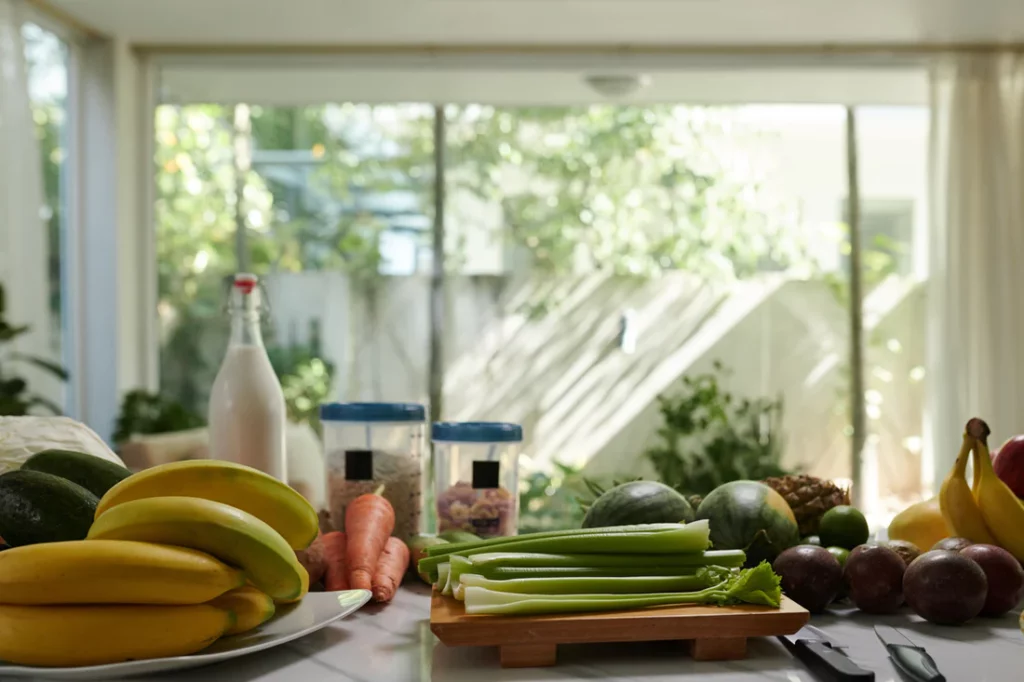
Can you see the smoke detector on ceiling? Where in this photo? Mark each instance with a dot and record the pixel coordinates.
(617, 84)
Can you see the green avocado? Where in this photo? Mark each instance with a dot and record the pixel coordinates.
(37, 507)
(92, 473)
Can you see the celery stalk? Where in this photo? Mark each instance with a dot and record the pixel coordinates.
(678, 539)
(620, 585)
(442, 576)
(515, 572)
(447, 590)
(437, 550)
(758, 585)
(732, 558)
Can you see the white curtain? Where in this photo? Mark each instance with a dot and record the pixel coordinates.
(976, 290)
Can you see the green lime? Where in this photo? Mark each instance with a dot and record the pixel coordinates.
(843, 526)
(811, 540)
(840, 554)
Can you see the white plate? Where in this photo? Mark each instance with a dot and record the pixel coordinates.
(317, 610)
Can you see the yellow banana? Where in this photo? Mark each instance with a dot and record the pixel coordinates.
(959, 508)
(112, 572)
(233, 536)
(251, 607)
(97, 635)
(302, 593)
(1003, 512)
(236, 485)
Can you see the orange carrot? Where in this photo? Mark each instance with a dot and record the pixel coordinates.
(394, 561)
(336, 574)
(369, 521)
(313, 560)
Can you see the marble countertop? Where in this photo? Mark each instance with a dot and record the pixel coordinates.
(393, 643)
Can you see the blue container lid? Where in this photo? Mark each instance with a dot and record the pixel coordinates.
(477, 432)
(372, 412)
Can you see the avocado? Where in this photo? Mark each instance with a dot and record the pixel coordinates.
(38, 507)
(92, 473)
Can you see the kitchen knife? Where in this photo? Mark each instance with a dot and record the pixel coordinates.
(912, 660)
(827, 660)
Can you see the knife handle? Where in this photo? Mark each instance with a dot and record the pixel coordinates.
(835, 663)
(915, 662)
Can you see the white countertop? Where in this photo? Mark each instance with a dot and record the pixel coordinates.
(393, 643)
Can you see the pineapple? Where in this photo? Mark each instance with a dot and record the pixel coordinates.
(809, 498)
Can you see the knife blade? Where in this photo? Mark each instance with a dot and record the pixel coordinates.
(912, 660)
(825, 658)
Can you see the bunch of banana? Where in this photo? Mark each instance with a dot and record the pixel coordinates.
(959, 506)
(177, 556)
(1002, 510)
(91, 602)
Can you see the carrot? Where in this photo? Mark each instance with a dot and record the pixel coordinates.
(314, 560)
(369, 521)
(394, 561)
(336, 573)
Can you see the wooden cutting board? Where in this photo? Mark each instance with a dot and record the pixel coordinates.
(716, 633)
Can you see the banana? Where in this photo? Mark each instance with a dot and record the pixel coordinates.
(1003, 512)
(98, 635)
(233, 536)
(112, 572)
(959, 508)
(236, 485)
(251, 607)
(302, 593)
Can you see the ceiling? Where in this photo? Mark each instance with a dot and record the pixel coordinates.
(549, 22)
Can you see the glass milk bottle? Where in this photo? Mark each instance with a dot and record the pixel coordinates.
(247, 414)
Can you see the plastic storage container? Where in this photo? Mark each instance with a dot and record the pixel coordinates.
(476, 477)
(369, 445)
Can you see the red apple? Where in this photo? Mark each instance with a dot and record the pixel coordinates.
(1009, 464)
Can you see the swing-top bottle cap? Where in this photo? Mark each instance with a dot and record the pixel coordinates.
(245, 282)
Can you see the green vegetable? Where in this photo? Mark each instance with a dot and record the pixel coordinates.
(442, 576)
(757, 585)
(669, 539)
(638, 502)
(92, 473)
(458, 536)
(619, 585)
(732, 558)
(507, 539)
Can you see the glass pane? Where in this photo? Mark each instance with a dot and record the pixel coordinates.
(335, 211)
(679, 252)
(893, 153)
(46, 60)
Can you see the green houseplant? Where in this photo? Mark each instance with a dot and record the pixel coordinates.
(16, 399)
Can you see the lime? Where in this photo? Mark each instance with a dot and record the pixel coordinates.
(811, 540)
(839, 553)
(843, 526)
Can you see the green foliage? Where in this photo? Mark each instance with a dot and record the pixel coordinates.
(709, 437)
(548, 500)
(145, 413)
(305, 380)
(15, 397)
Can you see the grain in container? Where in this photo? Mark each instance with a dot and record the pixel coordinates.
(369, 445)
(476, 477)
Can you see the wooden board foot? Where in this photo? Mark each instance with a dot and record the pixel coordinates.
(528, 655)
(718, 648)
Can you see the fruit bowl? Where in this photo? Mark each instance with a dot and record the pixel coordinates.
(315, 611)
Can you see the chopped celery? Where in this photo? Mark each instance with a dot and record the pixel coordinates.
(437, 550)
(447, 589)
(732, 558)
(620, 585)
(442, 576)
(758, 585)
(514, 572)
(675, 539)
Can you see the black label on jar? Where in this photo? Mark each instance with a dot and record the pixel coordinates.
(485, 474)
(359, 465)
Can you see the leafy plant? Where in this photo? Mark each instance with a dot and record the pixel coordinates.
(709, 437)
(549, 500)
(15, 397)
(149, 413)
(305, 380)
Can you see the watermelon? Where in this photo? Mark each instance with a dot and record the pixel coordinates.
(638, 502)
(749, 515)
